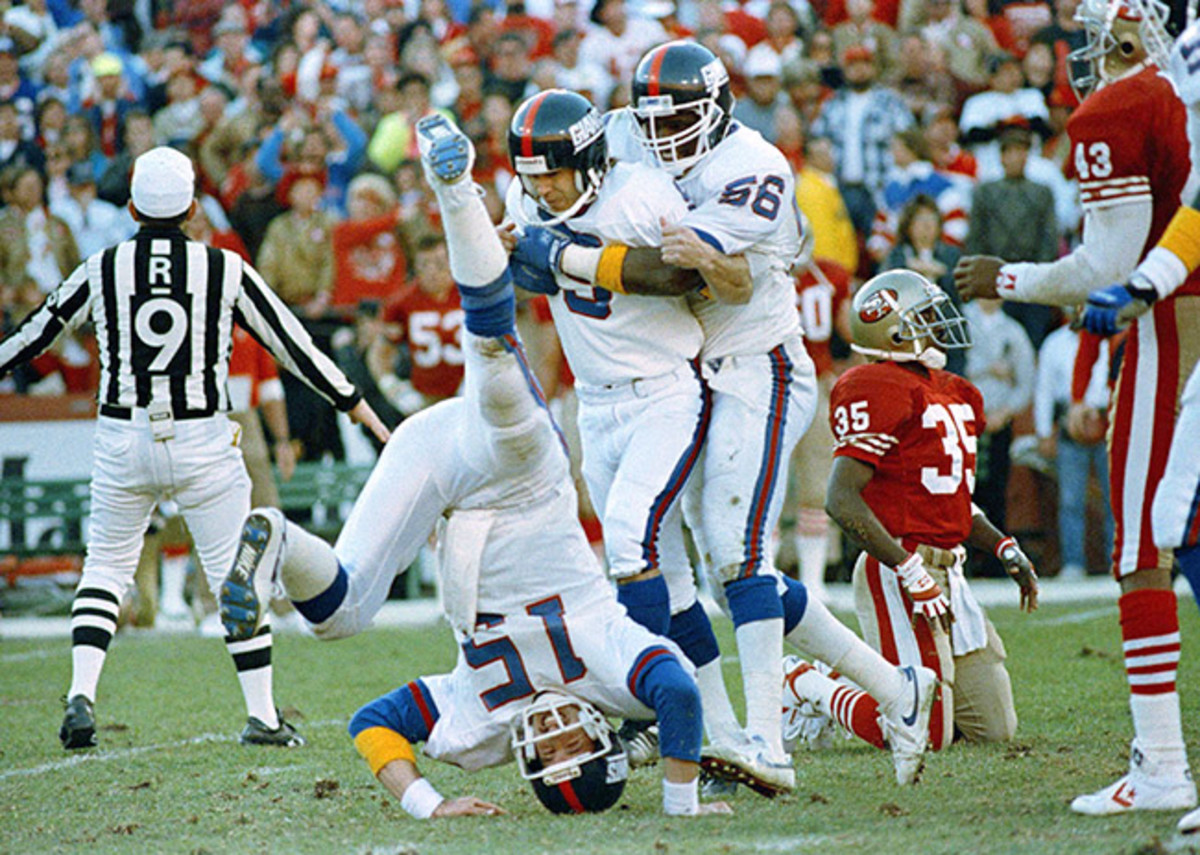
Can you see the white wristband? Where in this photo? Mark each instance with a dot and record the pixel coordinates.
(421, 799)
(681, 799)
(1161, 270)
(581, 262)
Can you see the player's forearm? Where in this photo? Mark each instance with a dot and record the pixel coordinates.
(414, 792)
(1176, 255)
(984, 535)
(728, 278)
(629, 270)
(275, 415)
(847, 508)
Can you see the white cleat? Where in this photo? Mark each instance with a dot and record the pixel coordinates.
(446, 152)
(750, 764)
(803, 723)
(245, 596)
(1148, 786)
(1189, 823)
(905, 723)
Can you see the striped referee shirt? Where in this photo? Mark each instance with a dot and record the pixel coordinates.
(164, 308)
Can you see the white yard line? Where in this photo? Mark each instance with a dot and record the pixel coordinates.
(126, 753)
(1079, 617)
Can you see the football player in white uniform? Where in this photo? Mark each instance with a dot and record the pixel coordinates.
(643, 408)
(520, 585)
(740, 191)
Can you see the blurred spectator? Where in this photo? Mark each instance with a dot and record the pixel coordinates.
(1006, 100)
(616, 41)
(1000, 364)
(861, 121)
(1013, 218)
(368, 255)
(941, 135)
(1015, 21)
(55, 174)
(587, 78)
(255, 205)
(180, 121)
(1076, 459)
(109, 103)
(139, 139)
(296, 256)
(95, 224)
(917, 77)
(33, 242)
(51, 119)
(511, 72)
(862, 28)
(802, 83)
(962, 42)
(921, 246)
(763, 96)
(914, 175)
(14, 88)
(1059, 39)
(15, 151)
(783, 26)
(395, 138)
(789, 135)
(427, 317)
(201, 228)
(313, 150)
(821, 202)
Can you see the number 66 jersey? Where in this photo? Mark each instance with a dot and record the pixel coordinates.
(918, 429)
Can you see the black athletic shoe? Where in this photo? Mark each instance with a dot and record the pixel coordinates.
(79, 724)
(257, 733)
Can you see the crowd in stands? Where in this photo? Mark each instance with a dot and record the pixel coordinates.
(918, 129)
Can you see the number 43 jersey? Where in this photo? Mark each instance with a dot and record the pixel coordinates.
(918, 429)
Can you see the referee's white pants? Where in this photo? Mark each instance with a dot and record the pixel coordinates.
(1176, 511)
(201, 469)
(762, 405)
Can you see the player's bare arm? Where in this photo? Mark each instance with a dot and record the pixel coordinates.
(728, 277)
(845, 504)
(402, 780)
(1016, 563)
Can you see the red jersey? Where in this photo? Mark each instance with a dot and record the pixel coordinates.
(819, 301)
(433, 329)
(1129, 143)
(253, 377)
(368, 260)
(919, 432)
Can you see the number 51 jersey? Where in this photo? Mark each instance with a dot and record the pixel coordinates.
(919, 431)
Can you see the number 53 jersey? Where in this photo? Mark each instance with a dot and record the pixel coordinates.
(918, 429)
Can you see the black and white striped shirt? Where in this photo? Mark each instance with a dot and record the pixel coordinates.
(164, 308)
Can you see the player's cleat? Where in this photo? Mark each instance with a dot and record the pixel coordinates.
(905, 723)
(803, 724)
(712, 788)
(750, 764)
(257, 733)
(641, 742)
(1189, 823)
(1148, 786)
(246, 592)
(445, 150)
(79, 724)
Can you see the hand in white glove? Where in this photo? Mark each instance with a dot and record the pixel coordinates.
(927, 597)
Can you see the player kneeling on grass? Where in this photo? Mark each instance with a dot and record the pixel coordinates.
(903, 474)
(520, 584)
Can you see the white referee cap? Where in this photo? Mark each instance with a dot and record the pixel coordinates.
(163, 183)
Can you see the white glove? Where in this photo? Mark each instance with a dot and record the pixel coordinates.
(927, 598)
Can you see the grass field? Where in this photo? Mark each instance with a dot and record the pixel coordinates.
(170, 777)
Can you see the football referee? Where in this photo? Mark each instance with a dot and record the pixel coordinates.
(163, 307)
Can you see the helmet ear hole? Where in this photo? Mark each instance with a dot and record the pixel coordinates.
(895, 337)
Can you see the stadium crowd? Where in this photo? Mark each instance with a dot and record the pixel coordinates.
(919, 130)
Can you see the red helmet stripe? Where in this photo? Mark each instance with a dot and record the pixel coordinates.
(527, 125)
(568, 793)
(655, 70)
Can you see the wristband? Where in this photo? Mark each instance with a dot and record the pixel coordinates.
(608, 271)
(421, 799)
(1005, 544)
(681, 799)
(908, 564)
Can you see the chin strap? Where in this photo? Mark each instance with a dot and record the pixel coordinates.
(930, 357)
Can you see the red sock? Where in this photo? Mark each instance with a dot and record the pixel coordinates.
(1150, 632)
(858, 712)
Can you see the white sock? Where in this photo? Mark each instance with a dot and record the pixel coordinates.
(173, 574)
(720, 723)
(814, 687)
(476, 255)
(258, 691)
(812, 548)
(822, 636)
(760, 649)
(86, 664)
(309, 564)
(1156, 721)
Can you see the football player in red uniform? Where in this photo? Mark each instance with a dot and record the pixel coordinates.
(903, 474)
(1130, 153)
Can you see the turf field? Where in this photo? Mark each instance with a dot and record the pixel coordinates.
(170, 777)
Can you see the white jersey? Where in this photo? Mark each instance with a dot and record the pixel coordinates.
(615, 338)
(742, 196)
(589, 653)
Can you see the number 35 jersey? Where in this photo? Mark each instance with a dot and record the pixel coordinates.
(919, 431)
(742, 197)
